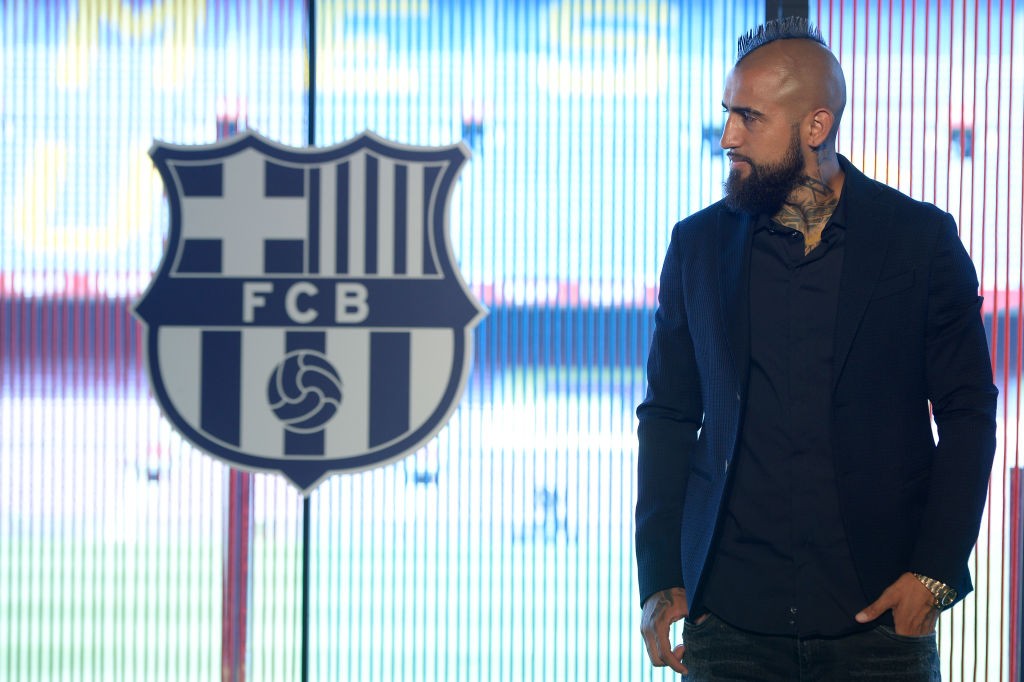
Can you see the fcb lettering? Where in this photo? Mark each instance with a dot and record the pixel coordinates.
(351, 301)
(308, 315)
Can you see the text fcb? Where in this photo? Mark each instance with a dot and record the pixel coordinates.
(308, 316)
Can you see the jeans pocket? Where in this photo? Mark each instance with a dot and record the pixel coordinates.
(691, 624)
(891, 633)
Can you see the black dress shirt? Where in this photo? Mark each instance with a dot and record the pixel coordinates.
(781, 563)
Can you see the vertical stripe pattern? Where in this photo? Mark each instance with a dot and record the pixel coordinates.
(401, 207)
(370, 230)
(341, 217)
(389, 386)
(221, 380)
(313, 234)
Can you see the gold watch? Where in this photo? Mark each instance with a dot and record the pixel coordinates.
(944, 594)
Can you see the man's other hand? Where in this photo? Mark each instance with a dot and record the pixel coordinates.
(912, 604)
(661, 610)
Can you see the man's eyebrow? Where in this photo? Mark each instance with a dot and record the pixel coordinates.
(743, 110)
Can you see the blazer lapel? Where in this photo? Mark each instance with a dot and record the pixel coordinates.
(867, 241)
(734, 233)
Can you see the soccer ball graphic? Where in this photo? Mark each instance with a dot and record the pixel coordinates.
(304, 391)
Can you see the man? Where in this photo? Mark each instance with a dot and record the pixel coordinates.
(793, 505)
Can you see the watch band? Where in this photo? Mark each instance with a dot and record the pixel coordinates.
(943, 594)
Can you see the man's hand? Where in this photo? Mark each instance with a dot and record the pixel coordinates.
(912, 604)
(661, 610)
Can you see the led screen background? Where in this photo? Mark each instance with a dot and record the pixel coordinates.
(503, 549)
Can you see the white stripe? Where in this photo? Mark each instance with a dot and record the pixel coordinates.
(357, 214)
(386, 217)
(328, 217)
(261, 432)
(179, 350)
(430, 368)
(414, 221)
(348, 433)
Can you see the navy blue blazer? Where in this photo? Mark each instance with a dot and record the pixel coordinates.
(908, 332)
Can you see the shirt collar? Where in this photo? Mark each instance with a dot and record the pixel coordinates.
(838, 218)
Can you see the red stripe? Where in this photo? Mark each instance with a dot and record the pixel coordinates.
(1006, 306)
(235, 609)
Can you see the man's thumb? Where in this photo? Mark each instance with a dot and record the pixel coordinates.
(872, 611)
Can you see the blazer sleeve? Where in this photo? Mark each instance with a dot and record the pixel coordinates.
(963, 397)
(670, 418)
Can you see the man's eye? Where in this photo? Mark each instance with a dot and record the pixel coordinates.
(745, 116)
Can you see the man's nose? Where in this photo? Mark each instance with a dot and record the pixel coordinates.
(729, 138)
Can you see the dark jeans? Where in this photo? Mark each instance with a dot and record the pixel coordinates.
(718, 651)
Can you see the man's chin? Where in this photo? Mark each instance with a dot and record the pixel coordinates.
(737, 176)
(751, 195)
(737, 192)
(752, 203)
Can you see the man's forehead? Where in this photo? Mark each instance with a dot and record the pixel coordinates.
(757, 80)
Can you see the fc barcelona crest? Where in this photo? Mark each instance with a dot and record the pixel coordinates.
(308, 316)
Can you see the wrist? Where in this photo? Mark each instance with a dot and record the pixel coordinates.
(943, 594)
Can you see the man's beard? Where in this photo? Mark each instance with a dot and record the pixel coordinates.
(767, 186)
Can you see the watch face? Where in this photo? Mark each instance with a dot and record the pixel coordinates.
(948, 598)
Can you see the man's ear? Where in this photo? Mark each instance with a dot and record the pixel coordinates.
(819, 125)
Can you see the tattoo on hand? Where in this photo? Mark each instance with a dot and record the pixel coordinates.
(665, 599)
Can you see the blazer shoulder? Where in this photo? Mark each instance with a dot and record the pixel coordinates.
(922, 210)
(908, 210)
(701, 222)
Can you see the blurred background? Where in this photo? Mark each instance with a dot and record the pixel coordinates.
(503, 549)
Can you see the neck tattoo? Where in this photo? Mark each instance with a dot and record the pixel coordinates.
(808, 209)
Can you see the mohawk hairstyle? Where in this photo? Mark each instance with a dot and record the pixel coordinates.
(777, 29)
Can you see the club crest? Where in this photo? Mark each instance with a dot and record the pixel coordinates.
(308, 316)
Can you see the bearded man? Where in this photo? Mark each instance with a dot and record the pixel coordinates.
(793, 504)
